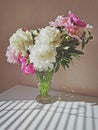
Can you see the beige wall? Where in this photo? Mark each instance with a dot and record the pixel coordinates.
(82, 77)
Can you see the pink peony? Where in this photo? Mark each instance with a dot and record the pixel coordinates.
(60, 21)
(29, 69)
(12, 55)
(73, 30)
(76, 21)
(24, 29)
(26, 68)
(23, 60)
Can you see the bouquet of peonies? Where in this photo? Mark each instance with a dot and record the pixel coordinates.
(47, 48)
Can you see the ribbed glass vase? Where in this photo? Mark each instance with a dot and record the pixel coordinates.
(44, 83)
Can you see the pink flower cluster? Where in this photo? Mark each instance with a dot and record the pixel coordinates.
(26, 67)
(71, 23)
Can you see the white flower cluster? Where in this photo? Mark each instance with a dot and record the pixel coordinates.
(21, 40)
(42, 57)
(43, 53)
(49, 35)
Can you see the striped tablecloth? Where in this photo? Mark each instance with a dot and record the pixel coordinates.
(19, 112)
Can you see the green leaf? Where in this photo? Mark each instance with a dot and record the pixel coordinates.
(77, 56)
(85, 38)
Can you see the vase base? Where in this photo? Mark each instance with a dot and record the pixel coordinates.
(46, 99)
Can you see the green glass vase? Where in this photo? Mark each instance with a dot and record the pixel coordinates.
(44, 83)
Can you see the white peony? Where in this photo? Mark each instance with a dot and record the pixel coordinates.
(21, 40)
(49, 35)
(42, 56)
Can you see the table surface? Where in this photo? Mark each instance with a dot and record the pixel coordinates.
(19, 110)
